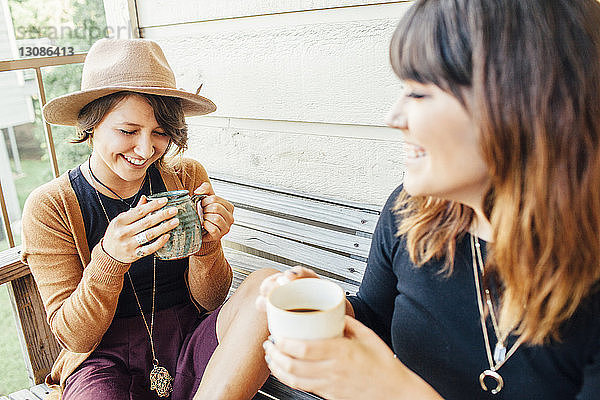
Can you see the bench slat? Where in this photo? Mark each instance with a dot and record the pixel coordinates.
(244, 264)
(281, 391)
(40, 390)
(11, 266)
(307, 208)
(327, 238)
(23, 395)
(296, 253)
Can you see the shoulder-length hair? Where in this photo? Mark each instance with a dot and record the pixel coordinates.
(529, 74)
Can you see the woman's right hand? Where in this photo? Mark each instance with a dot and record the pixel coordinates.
(120, 241)
(279, 279)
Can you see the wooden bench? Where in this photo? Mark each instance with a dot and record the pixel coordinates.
(274, 228)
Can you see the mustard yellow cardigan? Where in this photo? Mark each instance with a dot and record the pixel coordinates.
(80, 290)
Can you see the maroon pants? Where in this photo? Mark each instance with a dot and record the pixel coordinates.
(120, 366)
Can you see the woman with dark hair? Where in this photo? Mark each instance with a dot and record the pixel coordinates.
(132, 326)
(483, 277)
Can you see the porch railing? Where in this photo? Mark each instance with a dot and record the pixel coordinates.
(36, 64)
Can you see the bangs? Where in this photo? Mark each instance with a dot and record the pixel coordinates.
(430, 47)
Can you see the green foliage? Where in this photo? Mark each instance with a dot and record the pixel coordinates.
(14, 374)
(75, 23)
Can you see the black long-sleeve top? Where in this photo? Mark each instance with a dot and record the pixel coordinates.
(431, 322)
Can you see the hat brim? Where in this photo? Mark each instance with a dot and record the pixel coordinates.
(64, 110)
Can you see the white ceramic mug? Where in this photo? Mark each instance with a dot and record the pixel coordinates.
(308, 308)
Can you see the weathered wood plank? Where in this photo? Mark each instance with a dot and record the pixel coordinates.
(162, 12)
(284, 392)
(38, 344)
(302, 207)
(40, 390)
(11, 266)
(243, 264)
(23, 395)
(289, 59)
(295, 253)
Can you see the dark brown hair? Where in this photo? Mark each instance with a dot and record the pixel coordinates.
(528, 73)
(167, 111)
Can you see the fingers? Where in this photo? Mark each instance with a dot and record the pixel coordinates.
(205, 188)
(279, 279)
(310, 350)
(301, 272)
(217, 216)
(143, 208)
(152, 220)
(151, 248)
(301, 374)
(227, 207)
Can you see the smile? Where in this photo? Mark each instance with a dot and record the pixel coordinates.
(414, 151)
(134, 161)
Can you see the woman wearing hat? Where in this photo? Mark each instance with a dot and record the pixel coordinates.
(132, 326)
(500, 112)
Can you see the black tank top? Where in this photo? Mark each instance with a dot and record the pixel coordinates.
(171, 288)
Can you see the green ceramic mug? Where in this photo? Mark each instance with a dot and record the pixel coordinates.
(186, 238)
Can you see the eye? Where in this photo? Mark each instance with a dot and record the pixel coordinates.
(415, 95)
(126, 132)
(160, 133)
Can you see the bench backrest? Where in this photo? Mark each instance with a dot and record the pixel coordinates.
(280, 229)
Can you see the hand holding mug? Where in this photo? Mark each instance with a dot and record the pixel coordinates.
(217, 213)
(140, 231)
(279, 279)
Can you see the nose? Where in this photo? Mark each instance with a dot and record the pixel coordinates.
(144, 147)
(396, 117)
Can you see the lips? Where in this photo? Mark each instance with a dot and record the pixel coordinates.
(136, 162)
(414, 152)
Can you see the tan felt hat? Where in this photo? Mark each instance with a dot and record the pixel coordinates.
(114, 65)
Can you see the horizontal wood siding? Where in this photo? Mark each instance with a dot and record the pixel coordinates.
(302, 90)
(166, 12)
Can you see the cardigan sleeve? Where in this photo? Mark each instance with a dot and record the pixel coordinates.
(209, 275)
(80, 301)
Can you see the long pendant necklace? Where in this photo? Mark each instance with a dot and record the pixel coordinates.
(500, 354)
(160, 379)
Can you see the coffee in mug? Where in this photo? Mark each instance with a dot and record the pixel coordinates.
(308, 308)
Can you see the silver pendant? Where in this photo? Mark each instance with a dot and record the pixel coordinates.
(495, 376)
(499, 353)
(160, 380)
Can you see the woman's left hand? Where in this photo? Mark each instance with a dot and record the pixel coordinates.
(217, 213)
(357, 366)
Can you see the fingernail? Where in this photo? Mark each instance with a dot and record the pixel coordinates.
(282, 280)
(271, 339)
(175, 221)
(267, 359)
(292, 272)
(173, 210)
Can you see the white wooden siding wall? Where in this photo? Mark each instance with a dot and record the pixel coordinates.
(302, 89)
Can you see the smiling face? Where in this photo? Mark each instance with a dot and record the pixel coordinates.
(443, 157)
(125, 143)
